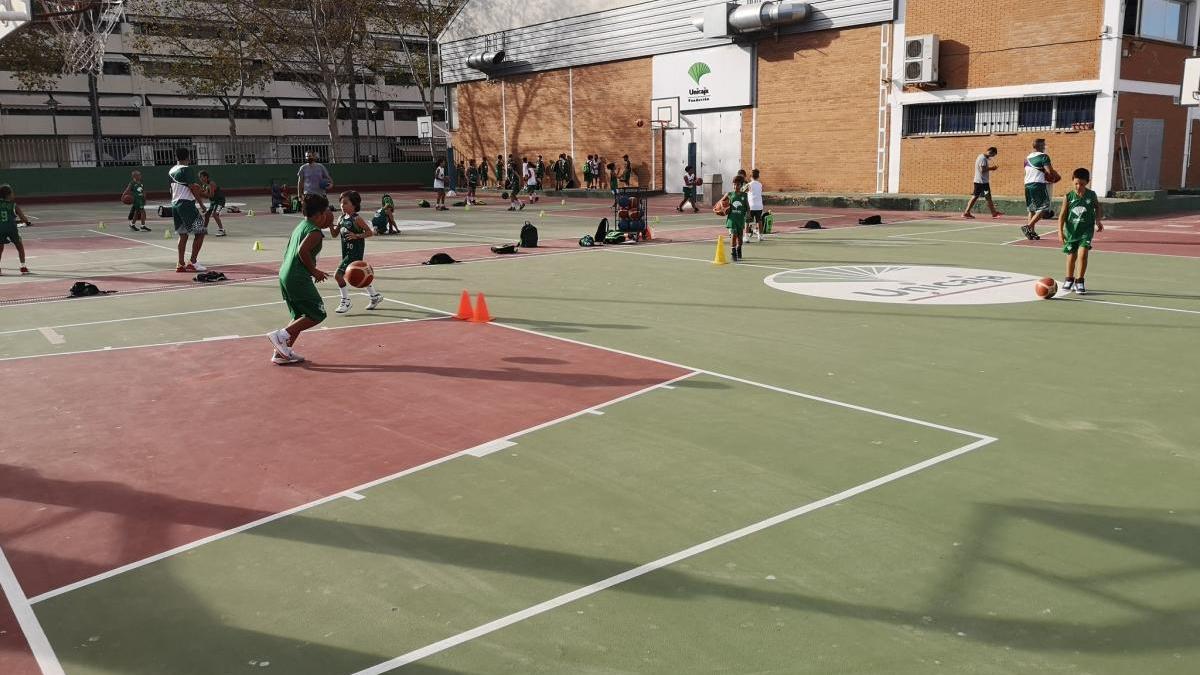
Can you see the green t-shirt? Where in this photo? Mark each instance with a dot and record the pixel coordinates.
(293, 268)
(352, 248)
(182, 177)
(380, 220)
(1081, 212)
(483, 169)
(8, 216)
(612, 181)
(739, 205)
(139, 195)
(499, 169)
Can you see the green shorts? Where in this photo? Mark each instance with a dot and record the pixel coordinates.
(531, 189)
(9, 235)
(215, 206)
(1074, 240)
(302, 298)
(689, 193)
(1037, 197)
(735, 227)
(187, 218)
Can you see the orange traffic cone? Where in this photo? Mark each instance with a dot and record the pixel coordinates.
(464, 308)
(648, 235)
(481, 311)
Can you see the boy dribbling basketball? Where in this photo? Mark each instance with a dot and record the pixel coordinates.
(216, 202)
(297, 276)
(1078, 222)
(10, 215)
(354, 233)
(137, 196)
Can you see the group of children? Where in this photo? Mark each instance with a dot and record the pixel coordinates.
(299, 273)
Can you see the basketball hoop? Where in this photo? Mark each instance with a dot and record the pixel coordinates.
(82, 28)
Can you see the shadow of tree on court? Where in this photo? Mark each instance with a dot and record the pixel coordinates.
(584, 380)
(1154, 626)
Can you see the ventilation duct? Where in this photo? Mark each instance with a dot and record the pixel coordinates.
(725, 19)
(485, 60)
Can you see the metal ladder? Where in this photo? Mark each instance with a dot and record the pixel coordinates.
(1123, 160)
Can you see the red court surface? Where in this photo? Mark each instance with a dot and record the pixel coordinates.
(15, 657)
(119, 455)
(82, 244)
(1164, 235)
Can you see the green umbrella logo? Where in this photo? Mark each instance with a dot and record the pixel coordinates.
(698, 70)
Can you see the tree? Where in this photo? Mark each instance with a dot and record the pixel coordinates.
(219, 59)
(34, 57)
(419, 18)
(320, 41)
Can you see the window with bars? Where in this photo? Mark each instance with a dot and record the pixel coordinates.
(999, 115)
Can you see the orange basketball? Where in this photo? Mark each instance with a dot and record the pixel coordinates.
(359, 274)
(127, 199)
(1052, 176)
(641, 123)
(1045, 288)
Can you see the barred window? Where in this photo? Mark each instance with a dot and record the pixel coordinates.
(1036, 113)
(1074, 110)
(995, 116)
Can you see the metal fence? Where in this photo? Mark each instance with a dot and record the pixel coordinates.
(23, 152)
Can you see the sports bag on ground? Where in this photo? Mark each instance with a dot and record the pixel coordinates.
(529, 235)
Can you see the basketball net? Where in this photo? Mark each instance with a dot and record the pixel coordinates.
(82, 28)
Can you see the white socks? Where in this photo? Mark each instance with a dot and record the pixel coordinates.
(371, 291)
(344, 292)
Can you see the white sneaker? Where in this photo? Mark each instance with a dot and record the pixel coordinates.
(376, 300)
(279, 340)
(220, 233)
(199, 267)
(283, 361)
(343, 306)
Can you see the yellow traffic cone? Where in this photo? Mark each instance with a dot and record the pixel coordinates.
(101, 227)
(166, 233)
(541, 214)
(250, 213)
(257, 246)
(655, 219)
(721, 257)
(563, 202)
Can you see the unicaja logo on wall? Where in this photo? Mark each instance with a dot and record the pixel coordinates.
(699, 93)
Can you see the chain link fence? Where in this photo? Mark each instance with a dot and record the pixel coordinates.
(26, 152)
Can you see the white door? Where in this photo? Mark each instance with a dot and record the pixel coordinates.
(718, 138)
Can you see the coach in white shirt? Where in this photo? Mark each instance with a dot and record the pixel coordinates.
(754, 190)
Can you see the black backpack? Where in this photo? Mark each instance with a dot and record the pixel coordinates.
(439, 259)
(870, 220)
(504, 248)
(601, 230)
(82, 289)
(529, 235)
(813, 225)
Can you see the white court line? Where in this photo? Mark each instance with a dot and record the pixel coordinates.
(177, 343)
(324, 500)
(958, 229)
(51, 335)
(43, 653)
(1129, 304)
(490, 447)
(137, 241)
(642, 570)
(679, 257)
(156, 316)
(354, 496)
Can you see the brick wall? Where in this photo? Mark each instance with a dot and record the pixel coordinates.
(609, 99)
(945, 164)
(1132, 106)
(1193, 172)
(818, 95)
(1153, 61)
(986, 44)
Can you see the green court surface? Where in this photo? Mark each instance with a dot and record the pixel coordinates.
(712, 473)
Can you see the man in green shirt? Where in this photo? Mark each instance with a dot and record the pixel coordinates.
(297, 276)
(186, 203)
(1039, 173)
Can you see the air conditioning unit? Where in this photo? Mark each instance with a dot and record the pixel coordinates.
(921, 59)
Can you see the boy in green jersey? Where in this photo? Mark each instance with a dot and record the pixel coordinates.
(296, 277)
(384, 220)
(735, 219)
(1078, 222)
(354, 233)
(137, 208)
(10, 215)
(216, 202)
(186, 205)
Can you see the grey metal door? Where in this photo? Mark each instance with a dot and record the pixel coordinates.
(1147, 153)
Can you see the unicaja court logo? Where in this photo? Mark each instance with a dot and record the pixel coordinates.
(699, 93)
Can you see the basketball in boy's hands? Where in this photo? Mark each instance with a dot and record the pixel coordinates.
(1052, 176)
(1045, 288)
(126, 199)
(359, 274)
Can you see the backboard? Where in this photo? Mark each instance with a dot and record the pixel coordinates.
(13, 15)
(425, 126)
(1189, 93)
(664, 112)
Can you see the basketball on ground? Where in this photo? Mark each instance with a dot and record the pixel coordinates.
(360, 275)
(1045, 287)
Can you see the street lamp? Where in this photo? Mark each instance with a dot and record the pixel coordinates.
(52, 104)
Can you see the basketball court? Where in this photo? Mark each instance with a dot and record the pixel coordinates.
(698, 458)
